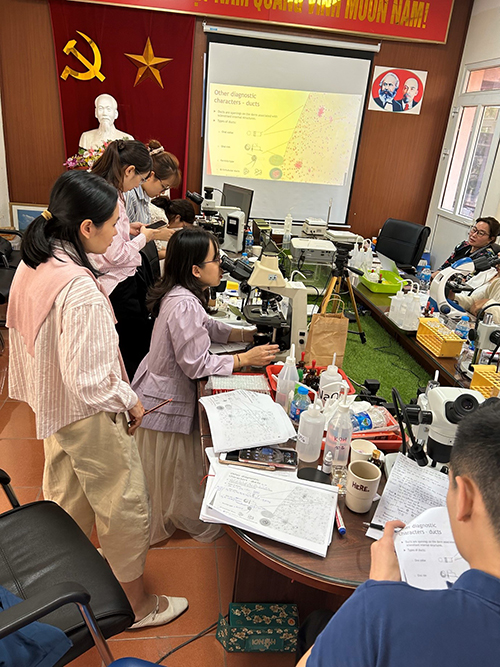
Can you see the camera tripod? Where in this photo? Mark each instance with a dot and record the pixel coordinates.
(339, 272)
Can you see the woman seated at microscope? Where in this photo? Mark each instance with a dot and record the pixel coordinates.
(482, 236)
(486, 295)
(169, 442)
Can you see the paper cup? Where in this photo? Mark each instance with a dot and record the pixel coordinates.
(361, 450)
(361, 486)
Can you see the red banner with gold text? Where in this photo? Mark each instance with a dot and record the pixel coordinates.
(105, 50)
(407, 20)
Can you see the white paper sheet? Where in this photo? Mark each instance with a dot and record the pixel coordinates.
(427, 554)
(297, 513)
(410, 490)
(240, 419)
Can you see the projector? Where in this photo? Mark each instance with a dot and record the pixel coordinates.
(313, 250)
(314, 227)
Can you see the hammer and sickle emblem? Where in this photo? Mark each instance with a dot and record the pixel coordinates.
(92, 69)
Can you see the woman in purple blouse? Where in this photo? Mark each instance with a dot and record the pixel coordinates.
(168, 439)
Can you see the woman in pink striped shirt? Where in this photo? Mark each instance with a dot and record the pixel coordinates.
(126, 165)
(65, 363)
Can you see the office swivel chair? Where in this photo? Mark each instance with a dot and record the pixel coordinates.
(9, 261)
(403, 242)
(42, 553)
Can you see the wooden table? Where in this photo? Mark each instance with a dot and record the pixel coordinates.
(379, 305)
(268, 571)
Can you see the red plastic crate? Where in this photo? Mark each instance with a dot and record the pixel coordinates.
(274, 370)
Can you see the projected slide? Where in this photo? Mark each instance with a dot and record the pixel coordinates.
(281, 135)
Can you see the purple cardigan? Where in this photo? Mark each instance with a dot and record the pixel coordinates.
(179, 355)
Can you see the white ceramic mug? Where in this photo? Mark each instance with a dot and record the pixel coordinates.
(361, 486)
(361, 450)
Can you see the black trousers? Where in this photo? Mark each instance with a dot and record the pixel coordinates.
(134, 327)
(309, 630)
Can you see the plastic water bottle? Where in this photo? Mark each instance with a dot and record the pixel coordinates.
(330, 381)
(425, 279)
(338, 442)
(287, 231)
(301, 402)
(310, 435)
(287, 379)
(249, 242)
(373, 418)
(463, 326)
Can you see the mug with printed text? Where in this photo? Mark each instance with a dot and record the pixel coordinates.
(361, 485)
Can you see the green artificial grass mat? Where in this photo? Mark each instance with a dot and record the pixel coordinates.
(382, 358)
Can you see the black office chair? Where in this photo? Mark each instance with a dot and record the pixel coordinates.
(403, 242)
(9, 261)
(42, 552)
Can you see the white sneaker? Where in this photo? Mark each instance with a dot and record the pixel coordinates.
(176, 607)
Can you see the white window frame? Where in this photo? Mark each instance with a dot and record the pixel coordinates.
(480, 100)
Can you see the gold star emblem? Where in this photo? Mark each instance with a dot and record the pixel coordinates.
(148, 67)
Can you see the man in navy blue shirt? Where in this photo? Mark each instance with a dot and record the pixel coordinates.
(387, 623)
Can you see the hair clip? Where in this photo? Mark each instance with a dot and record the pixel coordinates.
(155, 151)
(47, 214)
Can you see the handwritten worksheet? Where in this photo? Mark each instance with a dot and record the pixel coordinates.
(410, 490)
(297, 513)
(240, 419)
(427, 554)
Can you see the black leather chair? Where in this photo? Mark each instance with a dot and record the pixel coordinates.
(403, 242)
(42, 551)
(9, 261)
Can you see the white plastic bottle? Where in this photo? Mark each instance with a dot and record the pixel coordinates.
(310, 434)
(338, 442)
(396, 302)
(287, 379)
(287, 231)
(330, 381)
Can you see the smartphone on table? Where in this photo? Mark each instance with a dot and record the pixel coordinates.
(265, 458)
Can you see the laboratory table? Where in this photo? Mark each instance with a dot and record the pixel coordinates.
(379, 305)
(268, 571)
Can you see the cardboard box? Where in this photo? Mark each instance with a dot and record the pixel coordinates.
(259, 627)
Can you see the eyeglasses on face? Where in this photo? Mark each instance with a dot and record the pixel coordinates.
(479, 232)
(216, 260)
(144, 178)
(165, 187)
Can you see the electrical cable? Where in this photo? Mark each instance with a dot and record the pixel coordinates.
(416, 450)
(192, 639)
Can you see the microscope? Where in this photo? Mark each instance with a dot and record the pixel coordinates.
(227, 223)
(437, 414)
(461, 276)
(275, 305)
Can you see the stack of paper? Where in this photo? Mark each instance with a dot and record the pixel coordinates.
(282, 508)
(427, 554)
(240, 419)
(410, 490)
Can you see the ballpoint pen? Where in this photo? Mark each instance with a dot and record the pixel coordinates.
(169, 400)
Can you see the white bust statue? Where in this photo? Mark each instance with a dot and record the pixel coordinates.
(106, 112)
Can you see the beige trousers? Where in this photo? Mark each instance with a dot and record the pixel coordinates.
(93, 471)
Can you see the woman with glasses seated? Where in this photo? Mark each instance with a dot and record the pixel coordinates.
(164, 175)
(127, 165)
(481, 238)
(169, 441)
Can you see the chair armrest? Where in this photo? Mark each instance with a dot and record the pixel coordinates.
(9, 491)
(38, 605)
(10, 230)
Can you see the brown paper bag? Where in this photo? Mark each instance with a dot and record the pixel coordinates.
(327, 334)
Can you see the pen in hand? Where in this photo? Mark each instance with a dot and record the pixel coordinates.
(169, 400)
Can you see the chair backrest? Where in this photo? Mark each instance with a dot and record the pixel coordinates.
(402, 241)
